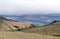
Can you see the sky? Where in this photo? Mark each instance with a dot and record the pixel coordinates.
(29, 6)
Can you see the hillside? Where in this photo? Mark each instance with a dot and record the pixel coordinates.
(13, 25)
(23, 35)
(32, 33)
(51, 29)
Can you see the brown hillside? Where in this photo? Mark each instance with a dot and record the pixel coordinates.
(12, 25)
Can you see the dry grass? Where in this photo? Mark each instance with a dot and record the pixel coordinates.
(33, 33)
(22, 35)
(9, 25)
(52, 29)
(23, 24)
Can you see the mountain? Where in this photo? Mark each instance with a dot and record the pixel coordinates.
(35, 18)
(48, 14)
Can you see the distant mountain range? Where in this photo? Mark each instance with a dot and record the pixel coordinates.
(48, 14)
(36, 19)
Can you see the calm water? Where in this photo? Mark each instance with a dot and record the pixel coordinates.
(37, 19)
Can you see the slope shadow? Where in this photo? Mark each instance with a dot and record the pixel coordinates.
(57, 35)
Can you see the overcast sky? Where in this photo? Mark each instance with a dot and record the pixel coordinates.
(29, 6)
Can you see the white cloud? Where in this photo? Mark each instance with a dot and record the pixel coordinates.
(30, 6)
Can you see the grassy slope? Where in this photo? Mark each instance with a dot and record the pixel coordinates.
(33, 35)
(22, 35)
(52, 29)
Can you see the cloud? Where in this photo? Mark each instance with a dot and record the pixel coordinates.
(30, 6)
